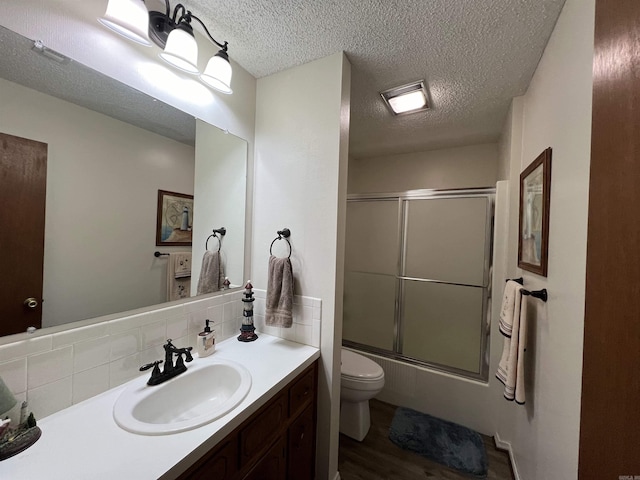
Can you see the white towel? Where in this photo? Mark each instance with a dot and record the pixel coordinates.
(178, 283)
(181, 264)
(513, 325)
(211, 274)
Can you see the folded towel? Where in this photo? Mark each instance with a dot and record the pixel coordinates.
(279, 303)
(513, 325)
(181, 264)
(211, 274)
(178, 286)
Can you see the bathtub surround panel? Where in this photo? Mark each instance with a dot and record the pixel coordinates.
(56, 371)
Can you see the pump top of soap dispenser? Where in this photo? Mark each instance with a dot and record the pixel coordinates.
(207, 329)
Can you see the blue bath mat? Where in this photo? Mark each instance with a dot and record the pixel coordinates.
(443, 442)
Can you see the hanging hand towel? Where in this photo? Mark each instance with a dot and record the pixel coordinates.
(279, 303)
(178, 286)
(211, 273)
(513, 326)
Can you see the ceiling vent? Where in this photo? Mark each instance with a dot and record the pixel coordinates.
(410, 98)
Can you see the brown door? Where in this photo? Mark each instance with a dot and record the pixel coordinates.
(23, 177)
(610, 414)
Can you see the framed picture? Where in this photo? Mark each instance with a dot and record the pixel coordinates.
(535, 193)
(175, 218)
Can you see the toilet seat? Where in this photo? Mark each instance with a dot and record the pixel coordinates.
(357, 368)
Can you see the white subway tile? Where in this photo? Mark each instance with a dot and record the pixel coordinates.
(50, 398)
(304, 334)
(14, 374)
(125, 369)
(259, 293)
(315, 334)
(177, 327)
(79, 334)
(228, 312)
(317, 302)
(259, 306)
(90, 383)
(129, 323)
(13, 351)
(91, 353)
(288, 333)
(154, 353)
(39, 344)
(316, 313)
(49, 367)
(215, 314)
(153, 334)
(125, 344)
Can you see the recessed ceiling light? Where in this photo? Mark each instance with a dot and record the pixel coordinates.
(408, 98)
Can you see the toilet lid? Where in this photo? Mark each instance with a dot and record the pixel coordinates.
(358, 366)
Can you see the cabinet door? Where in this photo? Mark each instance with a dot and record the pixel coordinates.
(302, 447)
(268, 423)
(273, 465)
(222, 465)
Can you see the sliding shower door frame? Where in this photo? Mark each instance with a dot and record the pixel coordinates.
(431, 194)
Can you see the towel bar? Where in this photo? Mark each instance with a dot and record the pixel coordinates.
(541, 294)
(159, 254)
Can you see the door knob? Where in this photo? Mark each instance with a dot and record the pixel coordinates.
(30, 302)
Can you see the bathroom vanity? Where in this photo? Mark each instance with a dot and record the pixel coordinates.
(270, 434)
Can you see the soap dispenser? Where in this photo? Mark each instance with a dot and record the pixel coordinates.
(206, 341)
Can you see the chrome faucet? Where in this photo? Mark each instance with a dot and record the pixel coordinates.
(170, 370)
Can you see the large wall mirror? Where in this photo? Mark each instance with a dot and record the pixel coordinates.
(109, 150)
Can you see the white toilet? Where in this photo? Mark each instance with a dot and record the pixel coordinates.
(360, 380)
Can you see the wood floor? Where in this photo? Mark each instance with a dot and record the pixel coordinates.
(376, 458)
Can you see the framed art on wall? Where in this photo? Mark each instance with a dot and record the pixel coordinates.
(175, 218)
(535, 193)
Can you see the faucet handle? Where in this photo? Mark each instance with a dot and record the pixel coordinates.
(149, 365)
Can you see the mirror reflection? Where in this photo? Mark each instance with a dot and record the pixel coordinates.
(102, 151)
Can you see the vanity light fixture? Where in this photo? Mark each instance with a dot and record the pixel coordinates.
(409, 98)
(174, 34)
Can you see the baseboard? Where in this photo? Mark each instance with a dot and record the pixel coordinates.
(337, 477)
(506, 446)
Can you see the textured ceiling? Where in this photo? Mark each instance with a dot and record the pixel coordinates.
(475, 55)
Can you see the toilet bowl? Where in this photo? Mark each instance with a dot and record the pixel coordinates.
(360, 380)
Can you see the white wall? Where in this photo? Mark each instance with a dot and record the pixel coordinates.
(103, 177)
(460, 167)
(220, 178)
(555, 112)
(302, 119)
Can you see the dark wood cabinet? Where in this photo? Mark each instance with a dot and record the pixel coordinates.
(275, 443)
(272, 465)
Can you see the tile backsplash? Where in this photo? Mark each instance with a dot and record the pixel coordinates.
(55, 371)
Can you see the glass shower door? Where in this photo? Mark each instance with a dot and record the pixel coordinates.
(371, 266)
(443, 282)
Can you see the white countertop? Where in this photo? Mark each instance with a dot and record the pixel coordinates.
(84, 442)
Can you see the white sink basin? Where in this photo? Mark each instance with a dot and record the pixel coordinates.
(208, 390)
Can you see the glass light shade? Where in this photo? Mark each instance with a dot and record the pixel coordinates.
(218, 73)
(7, 400)
(181, 51)
(407, 102)
(129, 18)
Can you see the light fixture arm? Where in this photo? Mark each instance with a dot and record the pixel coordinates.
(180, 13)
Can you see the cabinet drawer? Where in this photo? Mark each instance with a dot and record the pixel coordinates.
(272, 466)
(302, 392)
(267, 424)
